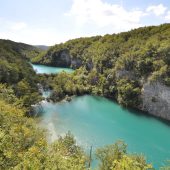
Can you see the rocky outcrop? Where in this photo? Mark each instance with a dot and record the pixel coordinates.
(89, 65)
(61, 58)
(76, 63)
(156, 99)
(36, 110)
(125, 74)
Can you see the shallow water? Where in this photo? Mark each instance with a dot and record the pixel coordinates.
(41, 69)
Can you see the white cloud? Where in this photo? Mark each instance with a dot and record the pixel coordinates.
(104, 14)
(158, 10)
(85, 18)
(33, 36)
(23, 32)
(167, 17)
(18, 26)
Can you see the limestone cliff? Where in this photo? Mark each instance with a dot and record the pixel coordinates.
(76, 63)
(155, 96)
(62, 58)
(156, 99)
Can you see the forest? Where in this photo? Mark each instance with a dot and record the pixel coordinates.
(115, 66)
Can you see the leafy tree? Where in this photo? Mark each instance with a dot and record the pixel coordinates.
(115, 157)
(128, 92)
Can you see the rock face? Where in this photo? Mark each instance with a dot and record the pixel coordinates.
(76, 63)
(125, 74)
(89, 65)
(61, 59)
(156, 99)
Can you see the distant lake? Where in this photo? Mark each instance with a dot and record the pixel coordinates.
(41, 69)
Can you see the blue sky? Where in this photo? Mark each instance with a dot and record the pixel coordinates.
(53, 21)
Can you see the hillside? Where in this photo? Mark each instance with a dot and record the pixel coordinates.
(132, 67)
(25, 50)
(17, 73)
(42, 47)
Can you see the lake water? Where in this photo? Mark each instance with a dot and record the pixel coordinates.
(98, 121)
(41, 69)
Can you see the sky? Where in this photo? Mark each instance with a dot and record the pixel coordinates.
(48, 22)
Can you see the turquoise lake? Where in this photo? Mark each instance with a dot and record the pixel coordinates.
(98, 121)
(41, 69)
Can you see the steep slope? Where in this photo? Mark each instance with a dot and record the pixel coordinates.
(15, 71)
(123, 66)
(25, 50)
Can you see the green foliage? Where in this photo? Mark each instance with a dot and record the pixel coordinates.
(23, 145)
(15, 71)
(26, 93)
(128, 92)
(108, 154)
(7, 94)
(65, 154)
(27, 51)
(17, 134)
(115, 157)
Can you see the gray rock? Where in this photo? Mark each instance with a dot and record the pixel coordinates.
(89, 65)
(125, 74)
(156, 99)
(61, 58)
(76, 63)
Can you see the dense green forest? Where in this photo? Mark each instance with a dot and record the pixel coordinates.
(16, 72)
(114, 66)
(23, 145)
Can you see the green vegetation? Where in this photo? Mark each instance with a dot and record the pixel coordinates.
(114, 66)
(115, 157)
(16, 72)
(25, 50)
(23, 145)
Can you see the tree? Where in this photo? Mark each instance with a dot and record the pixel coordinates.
(115, 157)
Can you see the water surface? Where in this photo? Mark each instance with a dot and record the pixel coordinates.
(98, 121)
(41, 69)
